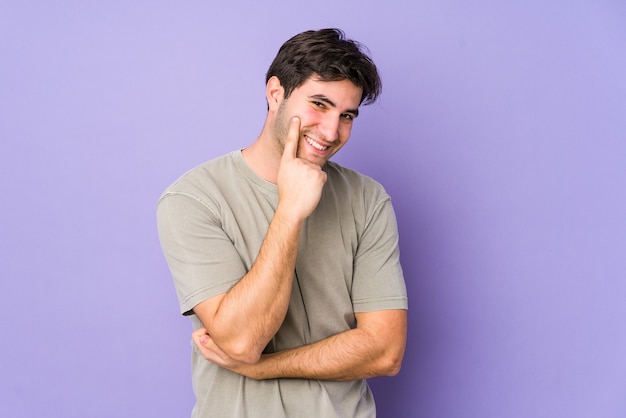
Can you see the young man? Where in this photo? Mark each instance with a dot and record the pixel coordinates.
(288, 264)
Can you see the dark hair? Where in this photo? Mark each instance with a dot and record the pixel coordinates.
(328, 54)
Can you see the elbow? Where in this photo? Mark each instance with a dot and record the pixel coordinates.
(247, 357)
(391, 362)
(244, 352)
(394, 369)
(392, 366)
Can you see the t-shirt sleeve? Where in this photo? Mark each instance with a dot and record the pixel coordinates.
(378, 279)
(201, 257)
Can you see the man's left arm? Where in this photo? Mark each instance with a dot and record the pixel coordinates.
(374, 348)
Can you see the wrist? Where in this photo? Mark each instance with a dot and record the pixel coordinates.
(288, 219)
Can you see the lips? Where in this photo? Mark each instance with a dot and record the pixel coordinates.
(315, 144)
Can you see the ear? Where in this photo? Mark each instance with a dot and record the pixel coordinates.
(274, 93)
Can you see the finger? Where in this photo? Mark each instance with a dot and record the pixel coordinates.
(200, 331)
(293, 135)
(197, 343)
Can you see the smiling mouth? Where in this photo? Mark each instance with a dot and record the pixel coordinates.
(315, 144)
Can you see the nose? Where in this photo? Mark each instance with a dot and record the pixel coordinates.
(329, 127)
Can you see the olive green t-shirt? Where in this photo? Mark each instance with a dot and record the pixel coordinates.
(212, 222)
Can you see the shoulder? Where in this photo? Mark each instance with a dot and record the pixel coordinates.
(202, 183)
(356, 194)
(352, 183)
(203, 174)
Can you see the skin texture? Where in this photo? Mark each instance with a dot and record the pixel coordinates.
(300, 134)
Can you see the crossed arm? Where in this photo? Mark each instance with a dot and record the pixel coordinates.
(374, 348)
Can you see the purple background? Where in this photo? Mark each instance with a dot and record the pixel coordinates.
(501, 136)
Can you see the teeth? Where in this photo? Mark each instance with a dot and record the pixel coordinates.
(314, 144)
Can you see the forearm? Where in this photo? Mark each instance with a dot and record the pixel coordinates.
(346, 356)
(359, 353)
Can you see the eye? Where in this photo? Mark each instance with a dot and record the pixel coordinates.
(348, 116)
(319, 104)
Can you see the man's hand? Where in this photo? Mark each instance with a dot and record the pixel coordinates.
(211, 352)
(300, 182)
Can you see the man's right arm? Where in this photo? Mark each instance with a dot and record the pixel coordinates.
(242, 321)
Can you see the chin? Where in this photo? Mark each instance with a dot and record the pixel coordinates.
(320, 161)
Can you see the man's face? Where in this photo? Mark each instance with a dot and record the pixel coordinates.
(326, 110)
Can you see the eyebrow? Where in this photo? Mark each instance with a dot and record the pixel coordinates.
(329, 102)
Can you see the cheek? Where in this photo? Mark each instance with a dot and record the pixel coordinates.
(309, 116)
(345, 131)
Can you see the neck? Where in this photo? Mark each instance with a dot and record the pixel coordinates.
(263, 157)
